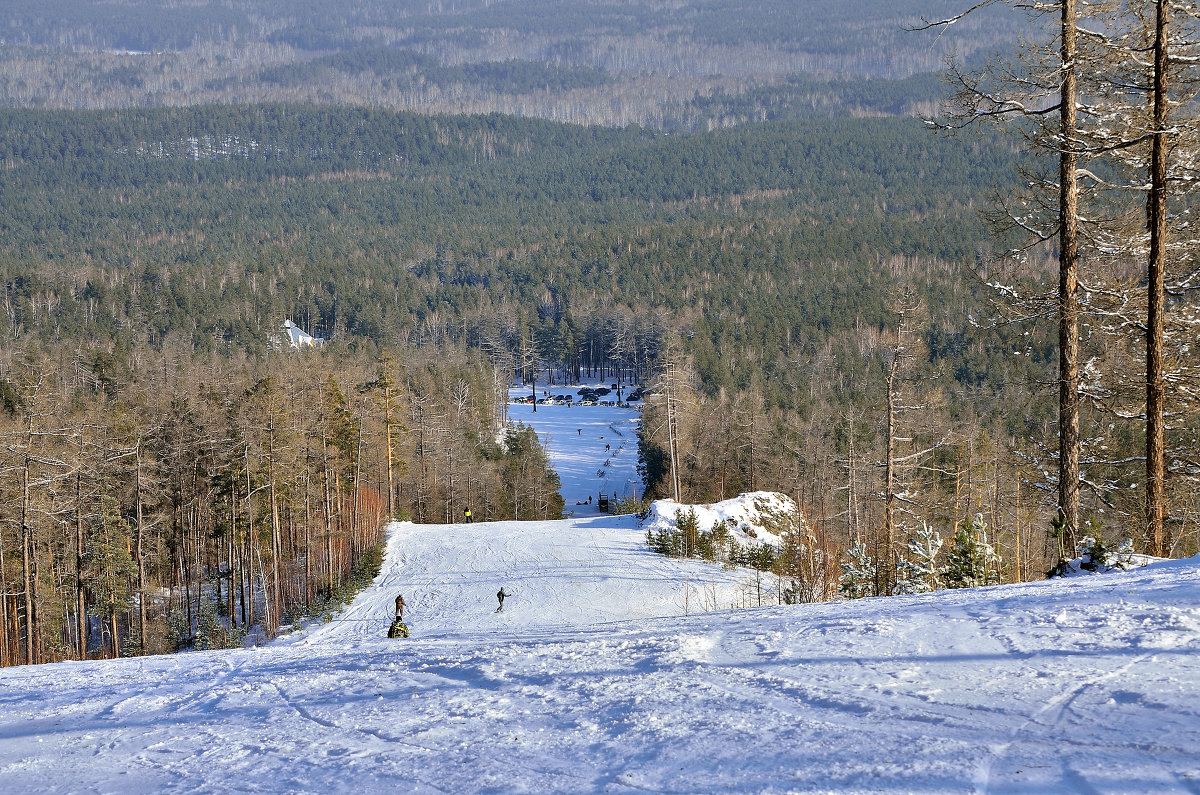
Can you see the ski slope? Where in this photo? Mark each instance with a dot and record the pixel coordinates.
(592, 448)
(612, 669)
(561, 574)
(593, 680)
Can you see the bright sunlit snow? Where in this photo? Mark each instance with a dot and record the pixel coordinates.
(593, 679)
(745, 516)
(592, 448)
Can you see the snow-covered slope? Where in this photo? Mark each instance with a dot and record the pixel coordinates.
(1087, 685)
(592, 448)
(563, 573)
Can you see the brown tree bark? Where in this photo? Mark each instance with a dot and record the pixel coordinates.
(1156, 497)
(1068, 281)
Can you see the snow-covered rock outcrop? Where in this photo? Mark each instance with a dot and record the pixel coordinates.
(760, 517)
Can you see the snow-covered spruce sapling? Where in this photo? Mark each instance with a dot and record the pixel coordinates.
(1092, 550)
(921, 572)
(858, 573)
(972, 561)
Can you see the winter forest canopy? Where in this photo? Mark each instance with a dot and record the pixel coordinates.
(734, 202)
(657, 63)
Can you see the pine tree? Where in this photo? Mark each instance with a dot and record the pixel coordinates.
(1038, 98)
(921, 573)
(858, 573)
(110, 566)
(972, 561)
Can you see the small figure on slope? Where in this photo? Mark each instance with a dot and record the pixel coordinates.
(467, 515)
(398, 629)
(500, 595)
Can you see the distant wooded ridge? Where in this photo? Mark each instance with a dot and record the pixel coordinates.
(699, 63)
(218, 222)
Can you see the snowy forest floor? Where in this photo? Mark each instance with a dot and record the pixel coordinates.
(602, 674)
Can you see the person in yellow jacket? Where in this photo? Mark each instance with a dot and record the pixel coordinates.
(467, 515)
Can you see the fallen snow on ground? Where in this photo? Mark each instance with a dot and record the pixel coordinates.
(750, 518)
(592, 448)
(1088, 685)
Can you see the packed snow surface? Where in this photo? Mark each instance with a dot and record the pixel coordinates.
(594, 680)
(592, 448)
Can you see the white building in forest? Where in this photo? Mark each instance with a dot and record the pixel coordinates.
(298, 339)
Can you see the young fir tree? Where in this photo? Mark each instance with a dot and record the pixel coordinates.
(920, 573)
(972, 561)
(858, 573)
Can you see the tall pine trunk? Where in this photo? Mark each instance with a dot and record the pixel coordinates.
(1156, 498)
(1068, 275)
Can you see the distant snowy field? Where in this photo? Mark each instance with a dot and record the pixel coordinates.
(1086, 685)
(592, 448)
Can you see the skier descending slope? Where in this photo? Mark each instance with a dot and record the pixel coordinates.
(398, 629)
(500, 595)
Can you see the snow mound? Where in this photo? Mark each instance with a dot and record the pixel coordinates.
(1096, 558)
(760, 517)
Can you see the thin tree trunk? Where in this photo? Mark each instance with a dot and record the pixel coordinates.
(276, 545)
(141, 561)
(231, 552)
(1156, 474)
(889, 477)
(328, 518)
(5, 658)
(249, 562)
(308, 568)
(387, 422)
(81, 622)
(114, 646)
(27, 559)
(1068, 277)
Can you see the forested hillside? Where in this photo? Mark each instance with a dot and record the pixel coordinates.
(764, 242)
(658, 63)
